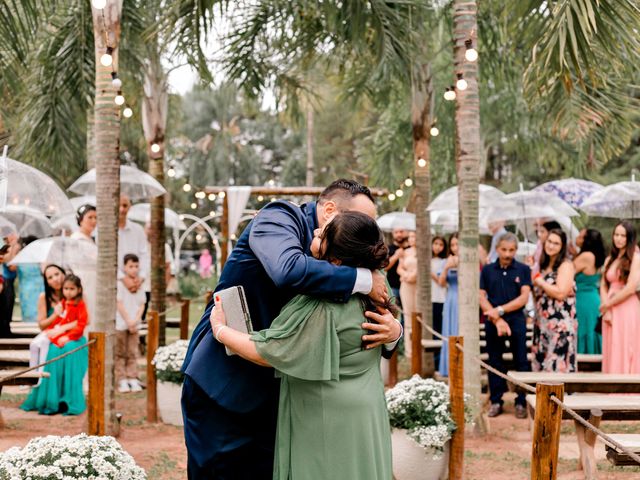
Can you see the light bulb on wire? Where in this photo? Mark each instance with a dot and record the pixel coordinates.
(260, 198)
(115, 80)
(434, 131)
(408, 182)
(99, 4)
(171, 172)
(399, 193)
(471, 54)
(127, 112)
(194, 206)
(155, 148)
(200, 195)
(222, 194)
(449, 94)
(392, 197)
(119, 98)
(422, 162)
(461, 84)
(186, 187)
(211, 197)
(106, 59)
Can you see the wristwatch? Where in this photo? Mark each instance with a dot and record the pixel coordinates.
(500, 310)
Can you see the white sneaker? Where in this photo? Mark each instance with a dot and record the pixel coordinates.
(123, 386)
(135, 385)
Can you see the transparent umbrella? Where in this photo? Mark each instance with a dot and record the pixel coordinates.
(141, 212)
(22, 185)
(77, 202)
(446, 221)
(574, 191)
(7, 227)
(448, 200)
(27, 220)
(618, 200)
(63, 251)
(525, 204)
(134, 183)
(403, 220)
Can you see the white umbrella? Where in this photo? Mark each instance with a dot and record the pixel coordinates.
(63, 251)
(526, 249)
(448, 200)
(528, 226)
(390, 221)
(528, 204)
(66, 222)
(28, 221)
(574, 191)
(7, 227)
(446, 221)
(22, 185)
(77, 202)
(141, 212)
(134, 183)
(618, 200)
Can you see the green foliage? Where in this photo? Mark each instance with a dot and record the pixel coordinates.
(193, 286)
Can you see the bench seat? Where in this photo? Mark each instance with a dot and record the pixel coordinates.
(630, 441)
(14, 358)
(613, 407)
(595, 382)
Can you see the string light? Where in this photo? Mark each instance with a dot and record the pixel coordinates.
(260, 198)
(171, 172)
(449, 94)
(186, 187)
(194, 206)
(198, 237)
(392, 197)
(422, 162)
(471, 54)
(106, 59)
(212, 213)
(399, 193)
(434, 133)
(127, 112)
(155, 148)
(408, 182)
(200, 195)
(461, 84)
(273, 199)
(99, 4)
(222, 195)
(119, 98)
(212, 197)
(115, 80)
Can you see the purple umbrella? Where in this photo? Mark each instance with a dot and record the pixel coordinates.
(574, 191)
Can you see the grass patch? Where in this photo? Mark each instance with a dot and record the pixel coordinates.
(163, 465)
(14, 397)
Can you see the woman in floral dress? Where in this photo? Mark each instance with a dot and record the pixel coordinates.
(555, 331)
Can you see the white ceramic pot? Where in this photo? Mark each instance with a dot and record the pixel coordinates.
(412, 462)
(169, 402)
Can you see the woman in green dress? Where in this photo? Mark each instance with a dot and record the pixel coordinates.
(332, 416)
(587, 266)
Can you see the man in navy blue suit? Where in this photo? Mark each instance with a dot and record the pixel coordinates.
(229, 405)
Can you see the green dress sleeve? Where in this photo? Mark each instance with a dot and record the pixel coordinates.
(302, 341)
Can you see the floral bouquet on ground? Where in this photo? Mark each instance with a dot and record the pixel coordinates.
(168, 361)
(421, 406)
(82, 456)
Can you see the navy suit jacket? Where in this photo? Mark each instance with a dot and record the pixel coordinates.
(273, 263)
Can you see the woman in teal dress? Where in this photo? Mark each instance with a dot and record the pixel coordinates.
(30, 286)
(332, 416)
(61, 391)
(587, 266)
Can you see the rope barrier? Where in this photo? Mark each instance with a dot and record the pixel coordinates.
(572, 413)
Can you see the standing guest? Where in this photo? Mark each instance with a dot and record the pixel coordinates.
(61, 392)
(438, 292)
(396, 249)
(555, 331)
(497, 231)
(31, 286)
(131, 239)
(408, 273)
(505, 286)
(587, 265)
(9, 274)
(449, 279)
(128, 319)
(205, 262)
(542, 230)
(85, 268)
(619, 303)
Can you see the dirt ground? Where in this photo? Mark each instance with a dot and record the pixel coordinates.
(503, 454)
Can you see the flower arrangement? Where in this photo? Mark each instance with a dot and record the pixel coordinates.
(168, 361)
(81, 456)
(421, 406)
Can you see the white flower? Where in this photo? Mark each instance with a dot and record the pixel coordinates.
(168, 361)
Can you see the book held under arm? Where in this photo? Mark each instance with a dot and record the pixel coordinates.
(236, 310)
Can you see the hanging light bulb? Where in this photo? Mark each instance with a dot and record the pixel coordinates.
(186, 187)
(434, 131)
(212, 213)
(222, 195)
(171, 172)
(422, 162)
(461, 84)
(408, 182)
(260, 198)
(211, 197)
(471, 54)
(115, 80)
(200, 195)
(127, 112)
(399, 193)
(119, 98)
(155, 148)
(198, 237)
(392, 197)
(106, 59)
(194, 206)
(449, 94)
(99, 4)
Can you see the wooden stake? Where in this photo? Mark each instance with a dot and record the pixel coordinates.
(152, 346)
(456, 394)
(416, 344)
(393, 369)
(546, 432)
(184, 319)
(224, 232)
(95, 414)
(586, 443)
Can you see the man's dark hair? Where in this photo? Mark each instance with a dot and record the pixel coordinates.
(342, 191)
(130, 257)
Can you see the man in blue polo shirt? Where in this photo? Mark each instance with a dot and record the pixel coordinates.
(504, 289)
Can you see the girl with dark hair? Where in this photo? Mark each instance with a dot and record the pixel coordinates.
(331, 394)
(408, 273)
(438, 292)
(619, 303)
(449, 278)
(555, 328)
(587, 265)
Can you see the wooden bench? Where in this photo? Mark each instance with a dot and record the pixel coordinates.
(594, 408)
(630, 441)
(14, 358)
(595, 382)
(14, 343)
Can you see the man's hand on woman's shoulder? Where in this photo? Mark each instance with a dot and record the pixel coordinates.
(385, 327)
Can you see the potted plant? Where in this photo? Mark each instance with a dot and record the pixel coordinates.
(81, 456)
(168, 361)
(421, 428)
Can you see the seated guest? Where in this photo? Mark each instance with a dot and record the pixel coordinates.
(504, 289)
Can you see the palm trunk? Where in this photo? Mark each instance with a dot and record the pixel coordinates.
(422, 93)
(154, 122)
(310, 164)
(106, 28)
(468, 156)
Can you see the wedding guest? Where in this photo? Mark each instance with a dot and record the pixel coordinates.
(396, 249)
(438, 292)
(587, 264)
(619, 303)
(505, 286)
(555, 329)
(497, 231)
(449, 278)
(408, 273)
(542, 230)
(31, 286)
(83, 266)
(8, 293)
(205, 262)
(131, 239)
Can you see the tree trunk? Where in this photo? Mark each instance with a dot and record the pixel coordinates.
(90, 139)
(422, 94)
(106, 28)
(154, 122)
(310, 164)
(468, 157)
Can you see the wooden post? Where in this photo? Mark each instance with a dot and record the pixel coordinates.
(152, 346)
(95, 413)
(546, 432)
(208, 296)
(224, 232)
(416, 344)
(184, 319)
(393, 369)
(586, 443)
(456, 395)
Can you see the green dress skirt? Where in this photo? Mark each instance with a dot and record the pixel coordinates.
(332, 417)
(587, 312)
(61, 392)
